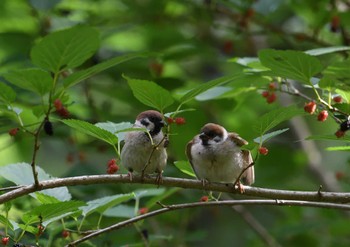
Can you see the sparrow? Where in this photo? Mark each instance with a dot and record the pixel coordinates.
(144, 152)
(216, 156)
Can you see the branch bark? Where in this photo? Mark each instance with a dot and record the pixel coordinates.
(167, 208)
(316, 196)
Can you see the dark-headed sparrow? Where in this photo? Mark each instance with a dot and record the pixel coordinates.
(142, 154)
(216, 156)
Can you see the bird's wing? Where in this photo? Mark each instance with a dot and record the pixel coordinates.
(248, 176)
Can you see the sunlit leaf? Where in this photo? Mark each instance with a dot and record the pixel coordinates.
(268, 136)
(92, 130)
(49, 211)
(328, 138)
(327, 50)
(275, 117)
(102, 204)
(185, 167)
(339, 148)
(65, 49)
(93, 70)
(21, 174)
(7, 94)
(294, 65)
(35, 80)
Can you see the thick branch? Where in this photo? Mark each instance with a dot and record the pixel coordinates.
(168, 208)
(320, 196)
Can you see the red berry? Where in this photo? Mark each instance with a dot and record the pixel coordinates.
(272, 86)
(263, 150)
(58, 104)
(180, 120)
(337, 99)
(227, 47)
(63, 112)
(340, 133)
(204, 199)
(111, 162)
(5, 240)
(310, 107)
(271, 98)
(335, 23)
(13, 132)
(143, 210)
(265, 94)
(65, 233)
(112, 169)
(170, 120)
(40, 230)
(322, 116)
(339, 175)
(156, 68)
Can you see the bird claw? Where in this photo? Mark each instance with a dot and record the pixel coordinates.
(204, 182)
(240, 187)
(159, 178)
(130, 176)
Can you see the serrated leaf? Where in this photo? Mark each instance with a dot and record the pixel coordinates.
(148, 192)
(45, 199)
(118, 129)
(85, 74)
(327, 50)
(185, 167)
(102, 204)
(293, 65)
(171, 114)
(204, 87)
(21, 174)
(65, 49)
(122, 211)
(6, 222)
(49, 211)
(35, 80)
(92, 130)
(339, 148)
(275, 117)
(27, 228)
(327, 82)
(7, 94)
(268, 136)
(328, 138)
(212, 93)
(150, 93)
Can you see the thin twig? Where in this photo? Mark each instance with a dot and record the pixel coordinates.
(168, 208)
(336, 197)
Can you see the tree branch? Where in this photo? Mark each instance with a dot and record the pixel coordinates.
(167, 208)
(316, 196)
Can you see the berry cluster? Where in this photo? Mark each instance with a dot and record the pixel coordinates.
(112, 166)
(61, 109)
(270, 94)
(178, 120)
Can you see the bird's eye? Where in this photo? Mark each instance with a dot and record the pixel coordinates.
(144, 122)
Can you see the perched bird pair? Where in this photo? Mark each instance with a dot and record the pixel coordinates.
(215, 154)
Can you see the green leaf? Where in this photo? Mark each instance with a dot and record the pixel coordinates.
(45, 199)
(49, 211)
(150, 93)
(339, 148)
(35, 80)
(65, 49)
(275, 117)
(120, 211)
(294, 65)
(92, 130)
(326, 50)
(148, 192)
(185, 167)
(327, 82)
(338, 69)
(102, 204)
(21, 174)
(7, 94)
(85, 74)
(161, 197)
(118, 129)
(212, 93)
(328, 138)
(5, 222)
(204, 87)
(268, 136)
